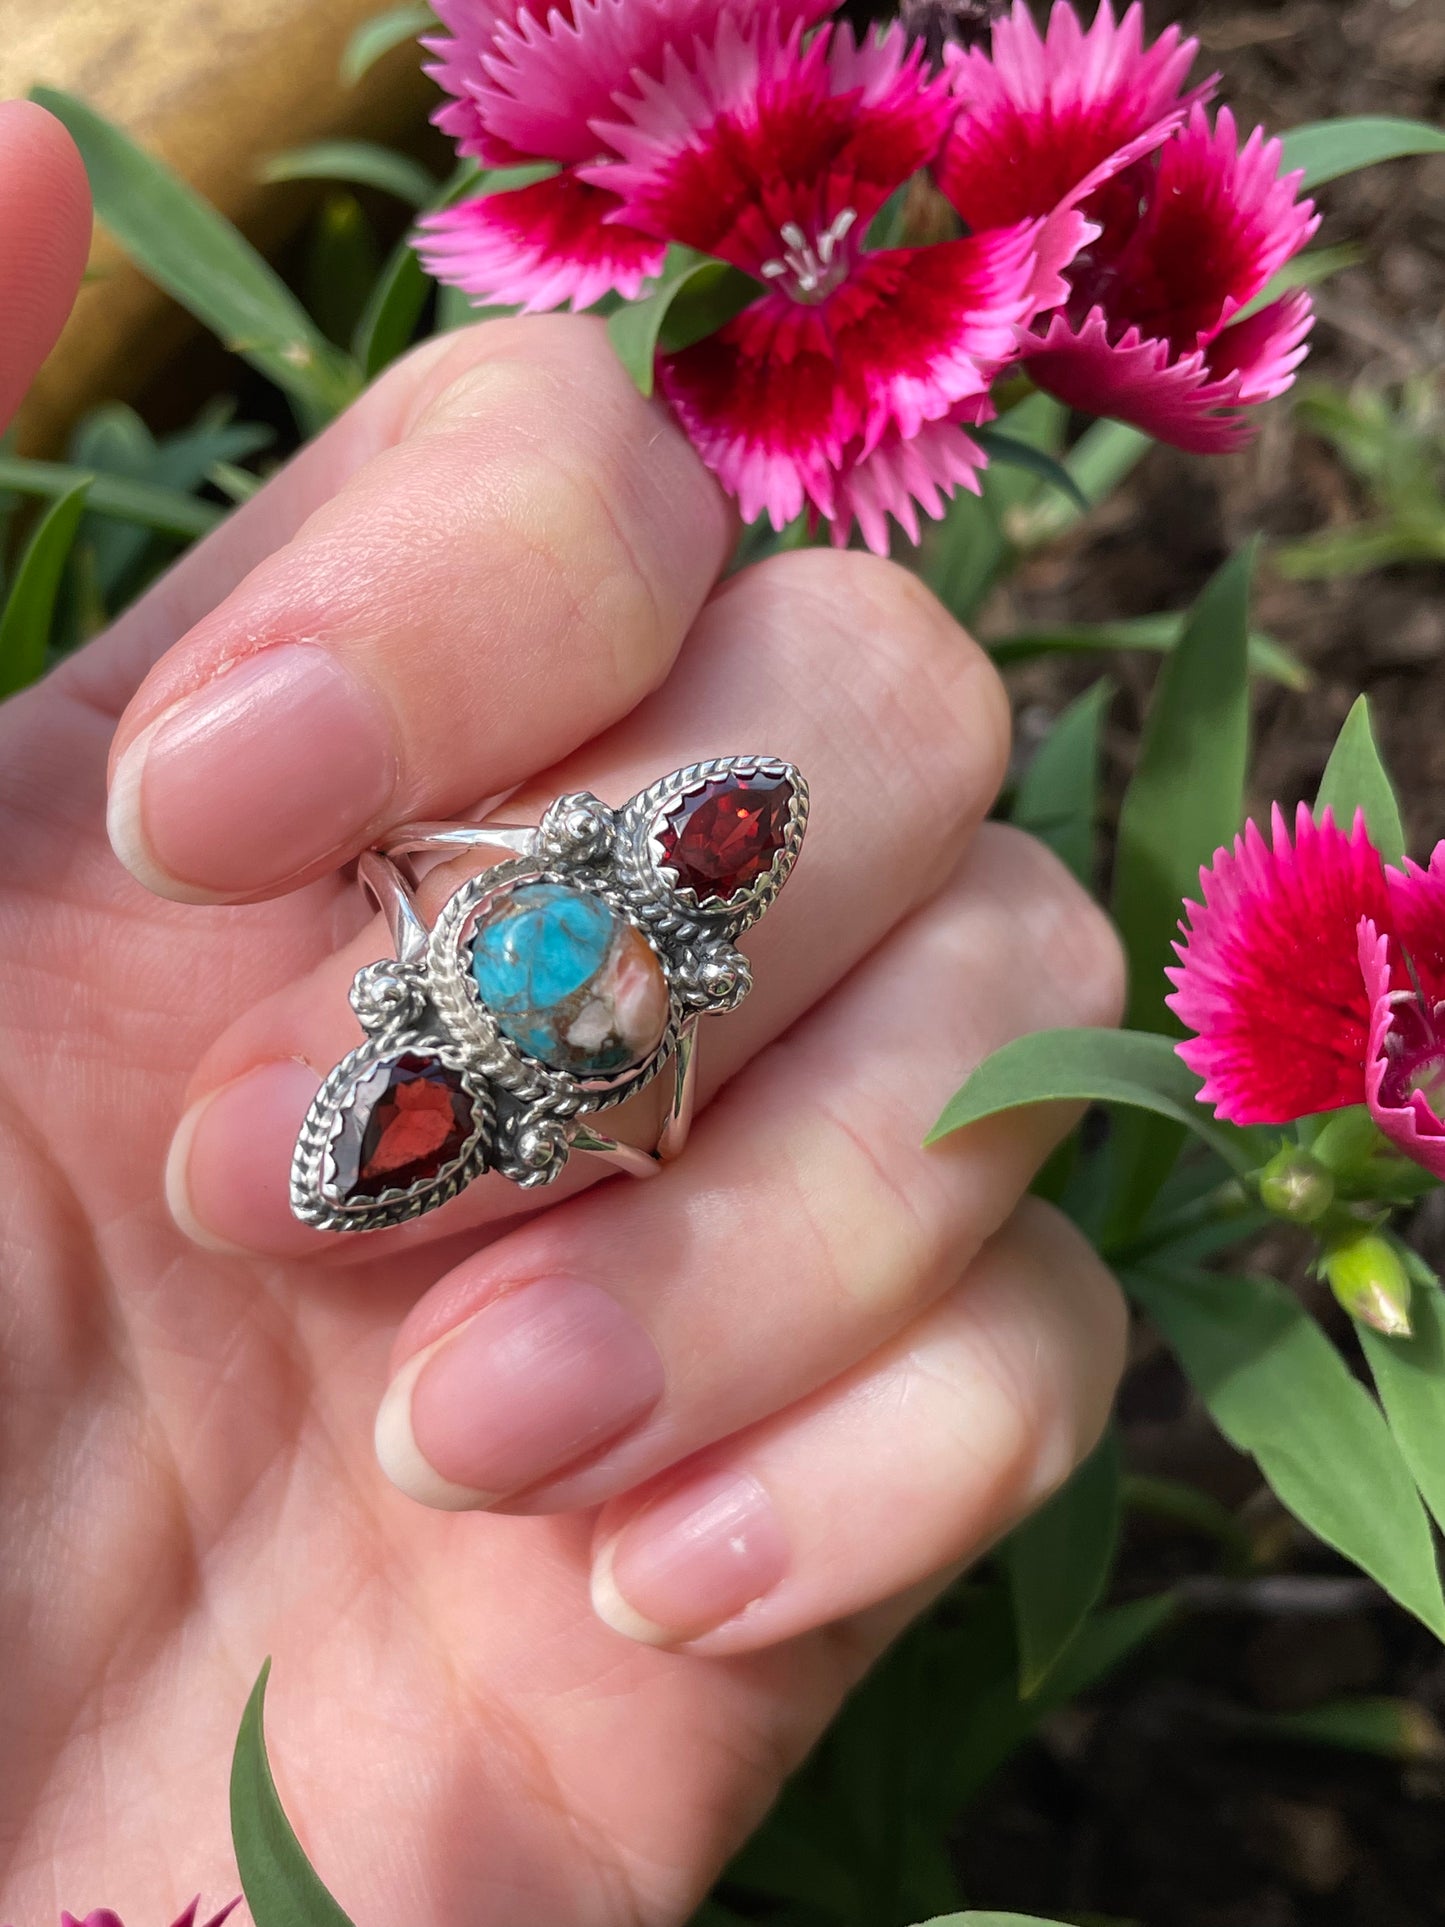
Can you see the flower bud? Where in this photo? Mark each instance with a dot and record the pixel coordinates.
(1348, 1142)
(1295, 1185)
(1368, 1277)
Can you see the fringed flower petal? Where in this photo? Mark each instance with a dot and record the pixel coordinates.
(1137, 380)
(900, 476)
(1417, 919)
(758, 136)
(1047, 119)
(1262, 352)
(1269, 973)
(1405, 1064)
(1218, 220)
(917, 330)
(538, 247)
(549, 76)
(762, 403)
(456, 60)
(788, 397)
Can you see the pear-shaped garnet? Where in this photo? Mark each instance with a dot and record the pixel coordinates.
(722, 837)
(407, 1120)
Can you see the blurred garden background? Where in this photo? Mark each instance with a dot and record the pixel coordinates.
(1250, 1735)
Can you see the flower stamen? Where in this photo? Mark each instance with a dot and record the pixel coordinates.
(811, 270)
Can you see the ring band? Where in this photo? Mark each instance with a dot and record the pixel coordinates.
(553, 985)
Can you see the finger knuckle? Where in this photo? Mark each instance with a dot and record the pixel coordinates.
(914, 686)
(543, 471)
(1060, 928)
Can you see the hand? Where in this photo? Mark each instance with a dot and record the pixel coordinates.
(761, 1407)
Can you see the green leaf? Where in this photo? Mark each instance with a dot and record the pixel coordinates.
(375, 38)
(341, 266)
(390, 317)
(1409, 1376)
(281, 1886)
(194, 253)
(1135, 1068)
(1155, 635)
(1278, 1389)
(1328, 148)
(1058, 794)
(1186, 796)
(1058, 1563)
(30, 606)
(1104, 456)
(1306, 270)
(1356, 779)
(362, 163)
(1016, 454)
(164, 509)
(694, 295)
(1395, 1729)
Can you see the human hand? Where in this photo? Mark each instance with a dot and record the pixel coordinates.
(783, 1390)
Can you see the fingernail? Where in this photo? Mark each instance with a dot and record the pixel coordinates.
(532, 1382)
(691, 1562)
(228, 1176)
(282, 761)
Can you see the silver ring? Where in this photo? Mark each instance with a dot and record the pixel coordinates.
(553, 985)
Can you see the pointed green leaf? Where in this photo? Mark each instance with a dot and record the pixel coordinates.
(30, 606)
(363, 163)
(1279, 1390)
(1058, 1563)
(194, 253)
(1058, 795)
(1134, 1068)
(390, 317)
(1186, 796)
(164, 509)
(1409, 1375)
(1104, 455)
(375, 38)
(1395, 1729)
(1014, 453)
(1155, 635)
(1328, 148)
(1306, 270)
(281, 1886)
(692, 297)
(1356, 779)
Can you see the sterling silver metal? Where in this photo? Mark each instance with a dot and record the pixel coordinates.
(528, 1118)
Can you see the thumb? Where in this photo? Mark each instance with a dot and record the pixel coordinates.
(44, 238)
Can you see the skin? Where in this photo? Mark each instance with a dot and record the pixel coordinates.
(516, 559)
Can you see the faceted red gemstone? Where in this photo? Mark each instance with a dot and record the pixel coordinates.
(406, 1122)
(725, 837)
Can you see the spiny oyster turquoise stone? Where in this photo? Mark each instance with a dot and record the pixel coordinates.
(569, 980)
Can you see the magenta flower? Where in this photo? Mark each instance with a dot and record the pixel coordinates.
(1046, 121)
(1314, 977)
(848, 386)
(1159, 227)
(526, 79)
(103, 1917)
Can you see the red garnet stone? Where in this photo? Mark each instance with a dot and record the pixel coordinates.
(727, 834)
(406, 1122)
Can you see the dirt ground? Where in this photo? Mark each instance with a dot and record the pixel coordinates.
(1156, 1803)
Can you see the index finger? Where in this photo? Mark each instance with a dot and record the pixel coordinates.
(508, 578)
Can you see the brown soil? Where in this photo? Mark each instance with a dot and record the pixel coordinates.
(1154, 1803)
